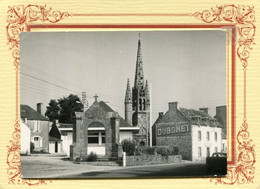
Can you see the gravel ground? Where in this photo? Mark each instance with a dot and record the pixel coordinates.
(49, 166)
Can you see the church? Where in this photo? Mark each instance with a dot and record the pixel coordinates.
(137, 102)
(100, 129)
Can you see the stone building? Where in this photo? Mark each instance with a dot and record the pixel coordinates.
(100, 130)
(221, 116)
(195, 133)
(137, 102)
(39, 125)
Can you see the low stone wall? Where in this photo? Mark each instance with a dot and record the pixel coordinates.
(152, 159)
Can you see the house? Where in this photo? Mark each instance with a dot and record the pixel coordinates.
(195, 133)
(221, 116)
(25, 138)
(100, 130)
(39, 125)
(55, 142)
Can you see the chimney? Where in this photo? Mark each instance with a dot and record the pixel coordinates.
(39, 108)
(160, 114)
(205, 110)
(173, 106)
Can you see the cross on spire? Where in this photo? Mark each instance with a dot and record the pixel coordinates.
(96, 96)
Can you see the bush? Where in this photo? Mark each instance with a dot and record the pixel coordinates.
(167, 150)
(148, 150)
(32, 146)
(129, 147)
(92, 157)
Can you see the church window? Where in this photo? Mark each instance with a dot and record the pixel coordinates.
(144, 104)
(140, 104)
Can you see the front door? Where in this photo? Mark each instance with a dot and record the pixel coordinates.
(56, 147)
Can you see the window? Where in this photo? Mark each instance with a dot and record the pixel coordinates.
(95, 137)
(199, 135)
(216, 149)
(92, 137)
(216, 136)
(208, 151)
(140, 104)
(208, 136)
(144, 104)
(199, 151)
(37, 141)
(37, 126)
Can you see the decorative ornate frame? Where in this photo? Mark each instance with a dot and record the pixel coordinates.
(19, 17)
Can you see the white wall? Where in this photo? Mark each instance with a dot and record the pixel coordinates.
(25, 138)
(125, 135)
(204, 143)
(66, 142)
(52, 147)
(99, 150)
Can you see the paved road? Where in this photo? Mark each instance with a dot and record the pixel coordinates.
(184, 170)
(48, 166)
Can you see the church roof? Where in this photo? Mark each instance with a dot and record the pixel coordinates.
(108, 109)
(31, 114)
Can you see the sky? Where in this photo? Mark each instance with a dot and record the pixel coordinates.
(184, 66)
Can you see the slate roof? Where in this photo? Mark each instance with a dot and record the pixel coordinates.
(188, 115)
(65, 125)
(204, 118)
(31, 114)
(54, 139)
(107, 109)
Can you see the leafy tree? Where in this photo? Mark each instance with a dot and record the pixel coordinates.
(64, 108)
(53, 109)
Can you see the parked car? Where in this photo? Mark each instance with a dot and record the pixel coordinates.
(217, 163)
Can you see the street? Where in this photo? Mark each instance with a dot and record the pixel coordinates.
(171, 170)
(49, 166)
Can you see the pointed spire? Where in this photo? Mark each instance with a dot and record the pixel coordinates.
(139, 75)
(128, 95)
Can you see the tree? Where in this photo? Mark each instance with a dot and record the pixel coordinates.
(64, 108)
(52, 111)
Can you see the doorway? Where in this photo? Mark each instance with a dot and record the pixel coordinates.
(56, 147)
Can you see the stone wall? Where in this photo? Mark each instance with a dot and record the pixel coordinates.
(152, 159)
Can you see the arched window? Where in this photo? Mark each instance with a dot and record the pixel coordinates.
(140, 104)
(144, 104)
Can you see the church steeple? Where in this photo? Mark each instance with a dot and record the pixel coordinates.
(128, 95)
(128, 104)
(139, 74)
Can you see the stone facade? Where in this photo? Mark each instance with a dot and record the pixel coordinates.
(98, 130)
(152, 160)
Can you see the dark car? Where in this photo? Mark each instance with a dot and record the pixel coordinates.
(217, 163)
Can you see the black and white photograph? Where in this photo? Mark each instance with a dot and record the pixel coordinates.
(123, 104)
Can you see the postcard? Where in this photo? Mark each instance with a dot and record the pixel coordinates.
(134, 96)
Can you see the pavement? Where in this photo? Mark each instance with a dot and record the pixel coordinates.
(58, 166)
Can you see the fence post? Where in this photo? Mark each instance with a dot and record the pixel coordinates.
(124, 159)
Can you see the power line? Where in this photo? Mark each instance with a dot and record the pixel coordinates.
(49, 82)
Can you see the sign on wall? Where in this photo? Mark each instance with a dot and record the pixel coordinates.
(171, 129)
